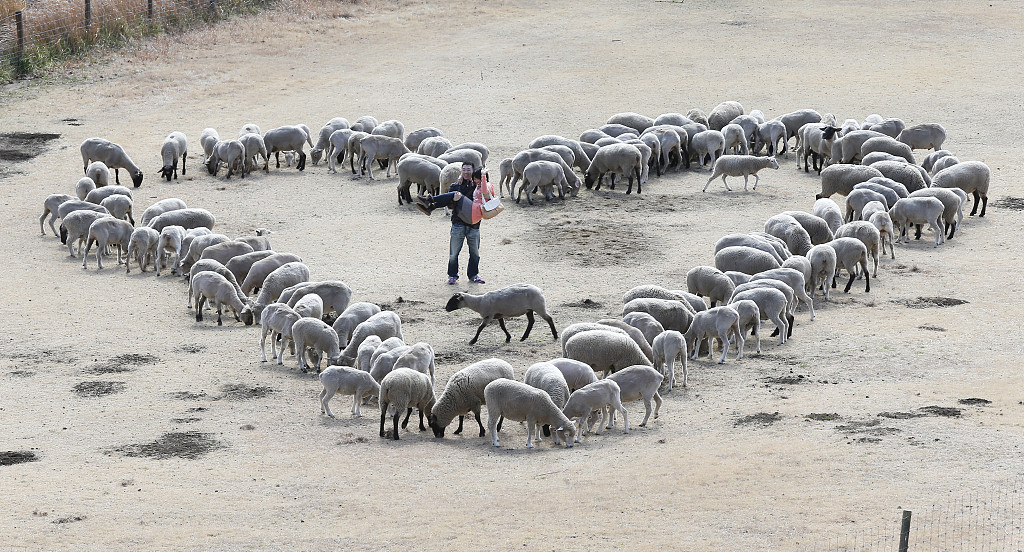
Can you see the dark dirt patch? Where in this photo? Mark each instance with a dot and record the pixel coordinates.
(761, 419)
(587, 303)
(99, 388)
(185, 420)
(1010, 202)
(899, 415)
(929, 302)
(190, 445)
(241, 392)
(187, 395)
(197, 409)
(868, 440)
(70, 121)
(123, 363)
(779, 359)
(453, 357)
(853, 427)
(788, 380)
(45, 355)
(593, 241)
(824, 417)
(22, 146)
(69, 519)
(931, 327)
(22, 373)
(974, 401)
(898, 267)
(943, 411)
(193, 348)
(12, 457)
(351, 439)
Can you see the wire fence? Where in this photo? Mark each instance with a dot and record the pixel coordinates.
(39, 31)
(990, 520)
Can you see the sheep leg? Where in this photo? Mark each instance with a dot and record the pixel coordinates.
(486, 321)
(395, 423)
(200, 302)
(508, 336)
(356, 403)
(117, 176)
(867, 278)
(302, 161)
(492, 425)
(850, 283)
(405, 422)
(984, 203)
(325, 399)
(263, 345)
(529, 325)
(746, 178)
(476, 414)
(724, 336)
(422, 427)
(459, 430)
(277, 158)
(219, 309)
(647, 408)
(977, 198)
(383, 416)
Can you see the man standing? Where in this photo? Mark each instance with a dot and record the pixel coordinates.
(463, 230)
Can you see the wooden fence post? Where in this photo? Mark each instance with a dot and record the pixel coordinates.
(88, 15)
(21, 41)
(149, 9)
(905, 532)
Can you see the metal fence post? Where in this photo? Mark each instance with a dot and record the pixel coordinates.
(905, 532)
(88, 15)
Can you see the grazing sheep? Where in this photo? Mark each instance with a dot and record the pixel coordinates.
(208, 139)
(735, 139)
(632, 120)
(575, 373)
(380, 147)
(596, 396)
(890, 194)
(724, 113)
(98, 172)
(277, 320)
(867, 234)
(84, 186)
(261, 269)
(942, 163)
(113, 156)
(364, 356)
(708, 281)
(970, 176)
(931, 158)
(404, 389)
(670, 144)
(771, 304)
(667, 346)
(692, 300)
(709, 143)
(749, 320)
(617, 159)
(638, 382)
(605, 350)
(508, 302)
(828, 210)
(906, 174)
(740, 165)
(582, 160)
(887, 145)
(475, 146)
(253, 145)
(104, 232)
(847, 148)
(210, 265)
(677, 119)
(886, 230)
(779, 251)
(384, 324)
(99, 194)
(771, 133)
(174, 146)
(614, 130)
(525, 157)
(823, 267)
(517, 401)
(323, 141)
(652, 292)
(383, 359)
(352, 316)
(721, 322)
(240, 265)
(315, 334)
(419, 357)
(744, 259)
(890, 127)
(918, 210)
(159, 208)
(464, 393)
(876, 156)
(816, 141)
(951, 203)
(749, 125)
(347, 381)
(802, 264)
(50, 206)
(851, 252)
(310, 306)
(580, 327)
(817, 228)
(548, 378)
(142, 248)
(282, 277)
(545, 176)
(795, 278)
(841, 178)
(197, 246)
(229, 152)
(424, 173)
(417, 137)
(673, 315)
(74, 227)
(366, 124)
(225, 251)
(335, 294)
(259, 242)
(286, 138)
(793, 121)
(213, 287)
(170, 242)
(779, 285)
(857, 199)
(645, 323)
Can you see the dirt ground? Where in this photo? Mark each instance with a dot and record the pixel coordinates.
(152, 431)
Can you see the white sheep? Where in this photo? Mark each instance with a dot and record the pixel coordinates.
(404, 389)
(923, 136)
(942, 163)
(383, 360)
(240, 265)
(424, 173)
(174, 146)
(208, 139)
(667, 346)
(851, 252)
(517, 401)
(802, 264)
(277, 320)
(74, 226)
(952, 213)
(650, 291)
(253, 146)
(841, 178)
(347, 381)
(828, 209)
(847, 148)
(260, 269)
(196, 247)
(366, 123)
(352, 316)
(615, 159)
(119, 206)
(735, 139)
(788, 293)
(548, 378)
(365, 353)
(416, 137)
(419, 357)
(572, 329)
(99, 194)
(84, 186)
(970, 176)
(384, 324)
(931, 158)
(817, 228)
(710, 144)
(310, 306)
(794, 278)
(887, 145)
(315, 334)
(744, 259)
(576, 374)
(433, 146)
(673, 315)
(232, 154)
(793, 121)
(464, 393)
(98, 172)
(638, 382)
(772, 133)
(771, 304)
(816, 141)
(823, 267)
(770, 245)
(142, 248)
(287, 138)
(523, 159)
(886, 229)
(170, 242)
(588, 400)
(708, 281)
(50, 206)
(213, 287)
(186, 218)
(604, 350)
(749, 320)
(283, 276)
(646, 324)
(214, 266)
(113, 156)
(508, 302)
(740, 165)
(104, 232)
(911, 176)
(721, 322)
(723, 113)
(323, 141)
(857, 199)
(867, 234)
(881, 186)
(918, 210)
(336, 294)
(159, 208)
(634, 333)
(380, 147)
(890, 127)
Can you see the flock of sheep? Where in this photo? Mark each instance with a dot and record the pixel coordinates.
(757, 276)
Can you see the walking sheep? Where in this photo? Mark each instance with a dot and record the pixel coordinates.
(508, 302)
(740, 165)
(174, 146)
(347, 381)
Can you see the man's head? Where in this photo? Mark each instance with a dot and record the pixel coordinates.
(467, 171)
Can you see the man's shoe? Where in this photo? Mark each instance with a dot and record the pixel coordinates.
(452, 280)
(477, 280)
(424, 209)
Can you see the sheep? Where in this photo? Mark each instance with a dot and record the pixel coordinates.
(890, 127)
(208, 139)
(286, 138)
(543, 175)
(692, 300)
(605, 350)
(197, 246)
(470, 156)
(315, 334)
(174, 146)
(170, 241)
(548, 378)
(802, 264)
(669, 145)
(113, 156)
(337, 148)
(475, 146)
(464, 393)
(283, 276)
(793, 121)
(84, 186)
(50, 206)
(677, 119)
(260, 270)
(383, 359)
(876, 156)
(899, 189)
(229, 152)
(382, 147)
(404, 389)
(248, 128)
(723, 113)
(335, 294)
(710, 143)
(277, 319)
(779, 285)
(823, 262)
(771, 133)
(645, 323)
(841, 178)
(310, 306)
(347, 381)
(364, 356)
(744, 259)
(505, 173)
(720, 322)
(651, 291)
(942, 163)
(582, 159)
(847, 148)
(673, 315)
(970, 176)
(615, 130)
(735, 139)
(510, 399)
(632, 120)
(795, 278)
(918, 210)
(416, 137)
(186, 218)
(253, 145)
(931, 158)
(98, 172)
(951, 212)
(779, 253)
(817, 228)
(210, 265)
(828, 210)
(384, 324)
(99, 194)
(887, 145)
(867, 233)
(259, 242)
(508, 302)
(622, 159)
(710, 282)
(75, 227)
(240, 265)
(890, 194)
(323, 141)
(870, 120)
(596, 396)
(771, 304)
(366, 123)
(635, 383)
(572, 329)
(352, 316)
(815, 141)
(883, 222)
(211, 286)
(159, 208)
(749, 321)
(857, 199)
(749, 125)
(142, 247)
(420, 171)
(592, 135)
(419, 357)
(225, 251)
(525, 157)
(788, 229)
(646, 154)
(575, 373)
(851, 252)
(107, 231)
(740, 165)
(667, 346)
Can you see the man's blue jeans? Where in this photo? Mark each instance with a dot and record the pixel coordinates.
(460, 233)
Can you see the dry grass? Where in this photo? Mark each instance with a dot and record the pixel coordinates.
(8, 7)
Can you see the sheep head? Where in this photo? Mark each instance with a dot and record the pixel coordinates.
(435, 427)
(166, 171)
(455, 303)
(137, 178)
